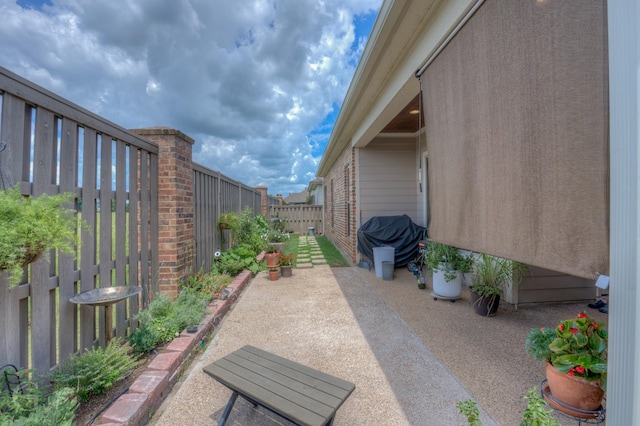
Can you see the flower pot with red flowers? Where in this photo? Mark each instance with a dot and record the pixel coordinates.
(576, 356)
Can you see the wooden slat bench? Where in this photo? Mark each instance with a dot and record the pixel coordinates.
(298, 393)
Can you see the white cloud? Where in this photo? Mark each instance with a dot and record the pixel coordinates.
(250, 81)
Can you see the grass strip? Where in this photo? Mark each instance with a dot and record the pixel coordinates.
(331, 254)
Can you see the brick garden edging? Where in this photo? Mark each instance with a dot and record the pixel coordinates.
(148, 391)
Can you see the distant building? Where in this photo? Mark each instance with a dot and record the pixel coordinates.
(316, 191)
(297, 198)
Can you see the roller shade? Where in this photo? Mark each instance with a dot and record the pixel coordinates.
(516, 113)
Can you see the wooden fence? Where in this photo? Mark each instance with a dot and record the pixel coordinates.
(300, 217)
(54, 146)
(214, 194)
(50, 145)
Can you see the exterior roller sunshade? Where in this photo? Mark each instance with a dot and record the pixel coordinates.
(516, 113)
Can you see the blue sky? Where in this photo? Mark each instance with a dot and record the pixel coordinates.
(258, 84)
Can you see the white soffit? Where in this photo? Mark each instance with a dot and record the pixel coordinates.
(399, 85)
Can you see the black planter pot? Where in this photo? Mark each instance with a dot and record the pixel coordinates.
(485, 306)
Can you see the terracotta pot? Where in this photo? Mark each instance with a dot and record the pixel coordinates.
(273, 274)
(287, 270)
(574, 391)
(273, 259)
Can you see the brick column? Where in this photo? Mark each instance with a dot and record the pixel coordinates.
(175, 206)
(264, 201)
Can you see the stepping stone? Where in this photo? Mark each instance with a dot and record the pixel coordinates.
(304, 265)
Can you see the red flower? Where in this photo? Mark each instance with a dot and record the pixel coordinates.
(582, 315)
(580, 369)
(561, 327)
(593, 325)
(570, 373)
(573, 330)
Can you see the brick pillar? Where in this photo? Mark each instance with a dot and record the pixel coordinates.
(175, 206)
(264, 201)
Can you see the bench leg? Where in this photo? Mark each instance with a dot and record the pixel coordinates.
(227, 409)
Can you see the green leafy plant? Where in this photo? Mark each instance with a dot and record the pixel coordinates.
(537, 343)
(96, 371)
(276, 236)
(447, 259)
(235, 260)
(287, 259)
(537, 413)
(577, 347)
(35, 406)
(227, 221)
(163, 320)
(492, 275)
(469, 409)
(206, 286)
(32, 226)
(251, 230)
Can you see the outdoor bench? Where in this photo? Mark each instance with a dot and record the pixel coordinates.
(298, 393)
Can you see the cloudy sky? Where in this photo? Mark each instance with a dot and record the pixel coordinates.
(257, 83)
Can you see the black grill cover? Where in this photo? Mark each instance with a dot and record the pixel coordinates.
(394, 231)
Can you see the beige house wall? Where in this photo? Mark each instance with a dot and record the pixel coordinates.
(388, 179)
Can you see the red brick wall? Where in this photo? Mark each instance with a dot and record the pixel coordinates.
(175, 206)
(338, 195)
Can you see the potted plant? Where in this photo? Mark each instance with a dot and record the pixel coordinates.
(272, 256)
(447, 264)
(32, 226)
(273, 273)
(286, 264)
(228, 222)
(575, 353)
(491, 276)
(277, 239)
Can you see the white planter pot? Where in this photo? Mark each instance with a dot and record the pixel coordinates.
(444, 288)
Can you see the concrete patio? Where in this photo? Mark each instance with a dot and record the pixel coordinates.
(411, 357)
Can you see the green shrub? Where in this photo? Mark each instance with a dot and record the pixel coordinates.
(251, 230)
(34, 407)
(33, 225)
(96, 371)
(163, 320)
(537, 413)
(469, 409)
(235, 260)
(208, 286)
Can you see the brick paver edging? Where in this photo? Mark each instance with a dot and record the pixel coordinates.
(149, 390)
